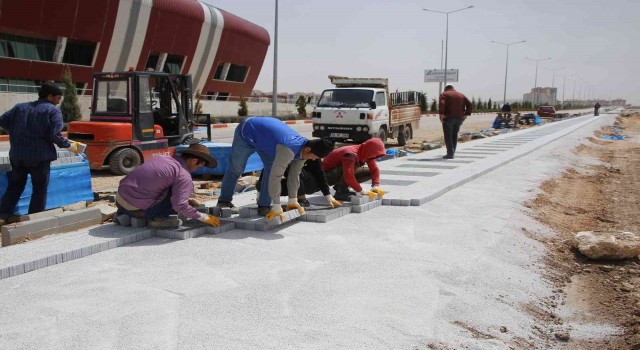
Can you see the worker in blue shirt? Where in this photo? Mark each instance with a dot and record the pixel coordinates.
(34, 128)
(279, 147)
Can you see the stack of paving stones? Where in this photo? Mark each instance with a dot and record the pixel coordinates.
(64, 157)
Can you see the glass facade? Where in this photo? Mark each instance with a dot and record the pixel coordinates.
(15, 46)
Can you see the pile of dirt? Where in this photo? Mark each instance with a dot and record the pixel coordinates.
(603, 197)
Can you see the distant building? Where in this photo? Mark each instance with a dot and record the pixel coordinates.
(541, 96)
(223, 52)
(618, 102)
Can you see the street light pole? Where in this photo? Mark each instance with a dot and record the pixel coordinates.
(274, 100)
(553, 79)
(535, 88)
(506, 68)
(446, 51)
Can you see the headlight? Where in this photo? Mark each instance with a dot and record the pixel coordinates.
(316, 127)
(365, 129)
(358, 129)
(321, 127)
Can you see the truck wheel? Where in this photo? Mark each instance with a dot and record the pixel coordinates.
(404, 135)
(382, 134)
(123, 161)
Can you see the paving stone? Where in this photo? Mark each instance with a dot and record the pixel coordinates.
(225, 212)
(32, 229)
(123, 220)
(75, 220)
(409, 173)
(42, 214)
(138, 222)
(393, 182)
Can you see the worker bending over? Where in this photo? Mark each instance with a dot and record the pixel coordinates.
(312, 180)
(278, 146)
(162, 186)
(344, 168)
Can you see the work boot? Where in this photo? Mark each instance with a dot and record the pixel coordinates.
(263, 211)
(304, 202)
(164, 222)
(344, 196)
(226, 204)
(447, 157)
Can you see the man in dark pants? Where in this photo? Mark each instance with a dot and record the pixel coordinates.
(596, 109)
(454, 108)
(34, 128)
(312, 180)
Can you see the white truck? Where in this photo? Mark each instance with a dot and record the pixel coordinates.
(358, 109)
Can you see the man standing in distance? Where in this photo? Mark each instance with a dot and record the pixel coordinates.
(34, 128)
(454, 108)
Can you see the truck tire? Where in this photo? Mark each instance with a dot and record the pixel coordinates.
(404, 135)
(382, 134)
(123, 161)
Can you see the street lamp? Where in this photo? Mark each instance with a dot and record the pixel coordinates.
(535, 88)
(506, 68)
(274, 100)
(564, 83)
(446, 52)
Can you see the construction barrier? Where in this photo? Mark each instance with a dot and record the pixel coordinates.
(69, 183)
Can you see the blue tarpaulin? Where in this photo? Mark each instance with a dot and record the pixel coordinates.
(612, 137)
(221, 152)
(68, 184)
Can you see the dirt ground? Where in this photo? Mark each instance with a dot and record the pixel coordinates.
(602, 197)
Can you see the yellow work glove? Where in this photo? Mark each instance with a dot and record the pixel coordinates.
(378, 191)
(77, 147)
(276, 210)
(209, 220)
(372, 195)
(332, 201)
(293, 204)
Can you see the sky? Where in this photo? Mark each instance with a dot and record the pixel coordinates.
(595, 42)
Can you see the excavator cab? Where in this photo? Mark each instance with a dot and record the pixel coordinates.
(135, 115)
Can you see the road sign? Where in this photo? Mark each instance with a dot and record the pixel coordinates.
(437, 75)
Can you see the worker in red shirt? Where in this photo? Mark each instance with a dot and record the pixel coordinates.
(344, 168)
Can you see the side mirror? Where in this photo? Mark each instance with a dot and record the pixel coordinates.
(372, 105)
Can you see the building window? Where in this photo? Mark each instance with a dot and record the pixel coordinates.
(80, 53)
(15, 46)
(152, 62)
(218, 75)
(237, 73)
(222, 96)
(173, 64)
(231, 72)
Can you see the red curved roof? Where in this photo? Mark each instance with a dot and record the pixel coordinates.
(245, 28)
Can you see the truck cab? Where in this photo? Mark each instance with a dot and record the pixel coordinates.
(360, 108)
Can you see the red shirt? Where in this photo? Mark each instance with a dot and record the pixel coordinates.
(351, 156)
(454, 104)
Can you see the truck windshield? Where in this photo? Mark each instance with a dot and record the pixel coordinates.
(353, 98)
(111, 96)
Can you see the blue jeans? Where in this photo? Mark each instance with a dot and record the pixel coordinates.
(161, 209)
(241, 150)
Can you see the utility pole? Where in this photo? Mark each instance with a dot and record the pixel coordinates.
(274, 100)
(506, 67)
(535, 89)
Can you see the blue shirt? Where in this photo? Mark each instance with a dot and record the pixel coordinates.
(265, 133)
(34, 128)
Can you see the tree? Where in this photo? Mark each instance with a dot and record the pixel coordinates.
(424, 104)
(479, 106)
(434, 106)
(243, 110)
(489, 105)
(197, 108)
(301, 104)
(69, 106)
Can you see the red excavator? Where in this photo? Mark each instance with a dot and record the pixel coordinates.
(135, 116)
